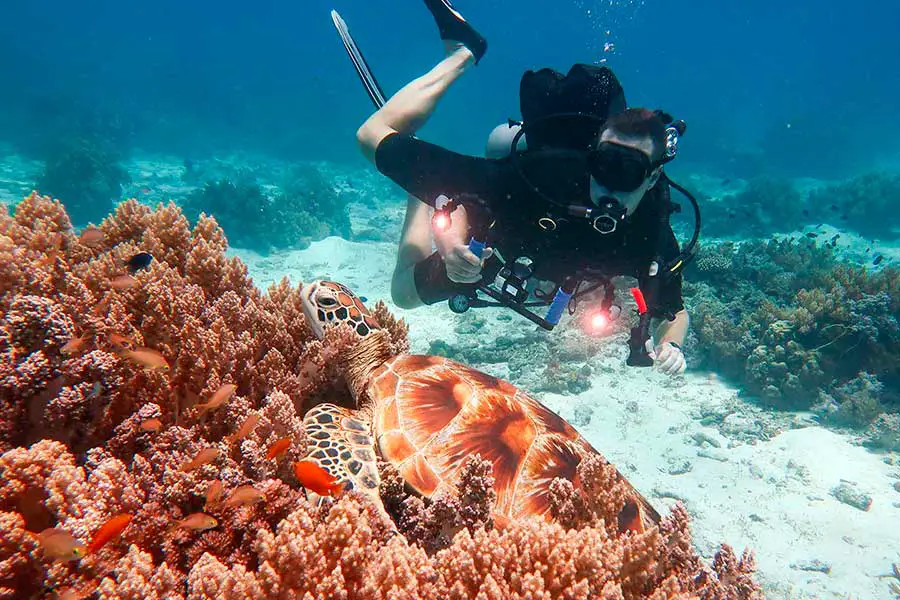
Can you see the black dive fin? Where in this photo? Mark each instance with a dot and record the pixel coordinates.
(376, 94)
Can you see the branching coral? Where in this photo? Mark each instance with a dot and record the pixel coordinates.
(305, 208)
(90, 433)
(85, 171)
(866, 203)
(766, 205)
(797, 328)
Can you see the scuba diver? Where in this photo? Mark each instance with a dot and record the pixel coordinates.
(576, 195)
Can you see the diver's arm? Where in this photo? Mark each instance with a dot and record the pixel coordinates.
(673, 331)
(408, 110)
(415, 246)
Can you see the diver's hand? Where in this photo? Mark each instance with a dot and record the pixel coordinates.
(462, 264)
(669, 358)
(453, 246)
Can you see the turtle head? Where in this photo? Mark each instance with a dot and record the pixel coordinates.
(328, 304)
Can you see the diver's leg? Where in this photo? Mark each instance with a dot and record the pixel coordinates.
(415, 245)
(410, 108)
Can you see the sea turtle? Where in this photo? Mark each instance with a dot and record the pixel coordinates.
(426, 414)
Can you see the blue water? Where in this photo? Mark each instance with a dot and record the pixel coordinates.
(272, 75)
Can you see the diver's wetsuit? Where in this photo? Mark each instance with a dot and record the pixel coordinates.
(427, 171)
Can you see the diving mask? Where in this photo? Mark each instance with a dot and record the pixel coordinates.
(619, 168)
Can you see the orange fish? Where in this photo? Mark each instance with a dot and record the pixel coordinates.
(151, 425)
(73, 345)
(59, 545)
(122, 282)
(102, 307)
(243, 496)
(78, 592)
(316, 479)
(214, 493)
(244, 430)
(222, 395)
(91, 236)
(49, 259)
(197, 522)
(120, 341)
(278, 448)
(149, 359)
(109, 531)
(205, 456)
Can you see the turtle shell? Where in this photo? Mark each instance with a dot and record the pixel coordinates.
(430, 413)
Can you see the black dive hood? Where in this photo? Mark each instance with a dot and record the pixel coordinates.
(565, 114)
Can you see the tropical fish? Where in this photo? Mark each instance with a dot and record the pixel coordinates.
(214, 493)
(120, 340)
(316, 479)
(139, 261)
(101, 307)
(205, 456)
(812, 234)
(78, 592)
(122, 282)
(74, 345)
(278, 448)
(60, 545)
(109, 531)
(878, 259)
(49, 259)
(90, 236)
(222, 395)
(836, 237)
(243, 496)
(151, 425)
(245, 429)
(149, 359)
(197, 522)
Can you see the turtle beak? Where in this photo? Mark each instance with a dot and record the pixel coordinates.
(308, 300)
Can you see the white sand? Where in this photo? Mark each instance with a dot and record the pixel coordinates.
(773, 495)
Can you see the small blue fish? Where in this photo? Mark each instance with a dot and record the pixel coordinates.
(878, 259)
(139, 261)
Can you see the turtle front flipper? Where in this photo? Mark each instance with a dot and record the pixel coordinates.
(340, 442)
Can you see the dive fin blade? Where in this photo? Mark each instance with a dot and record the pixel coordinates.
(373, 89)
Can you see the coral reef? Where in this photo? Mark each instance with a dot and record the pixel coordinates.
(800, 329)
(766, 205)
(100, 378)
(305, 208)
(867, 203)
(85, 171)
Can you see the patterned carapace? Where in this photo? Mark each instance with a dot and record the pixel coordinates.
(427, 414)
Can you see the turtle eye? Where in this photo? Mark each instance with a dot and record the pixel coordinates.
(327, 301)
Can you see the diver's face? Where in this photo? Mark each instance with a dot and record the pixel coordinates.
(629, 200)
